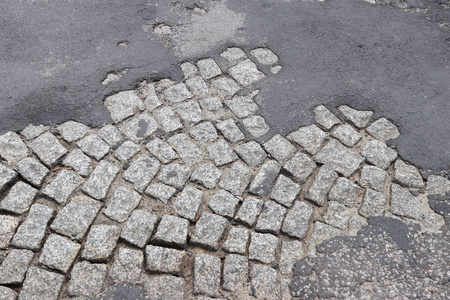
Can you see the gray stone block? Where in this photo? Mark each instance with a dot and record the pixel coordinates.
(197, 85)
(41, 284)
(264, 56)
(126, 151)
(139, 127)
(141, 172)
(59, 253)
(221, 153)
(383, 130)
(263, 181)
(12, 148)
(237, 179)
(374, 204)
(172, 231)
(297, 220)
(189, 153)
(263, 247)
(407, 175)
(252, 153)
(358, 117)
(372, 177)
(165, 287)
(30, 132)
(347, 135)
(404, 204)
(256, 125)
(161, 150)
(285, 191)
(291, 252)
(344, 191)
(164, 260)
(246, 73)
(280, 148)
(139, 227)
(204, 133)
(174, 174)
(86, 279)
(206, 174)
(271, 217)
(98, 184)
(19, 198)
(123, 105)
(325, 117)
(127, 266)
(225, 85)
(14, 267)
(48, 149)
(7, 230)
(223, 203)
(160, 191)
(100, 243)
(122, 203)
(177, 93)
(264, 280)
(378, 154)
(337, 215)
(208, 68)
(189, 112)
(110, 134)
(235, 270)
(301, 166)
(310, 138)
(71, 131)
(29, 168)
(187, 203)
(322, 183)
(79, 162)
(60, 189)
(237, 241)
(7, 293)
(233, 54)
(249, 211)
(242, 107)
(208, 230)
(207, 275)
(230, 130)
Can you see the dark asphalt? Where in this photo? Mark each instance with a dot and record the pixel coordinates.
(54, 56)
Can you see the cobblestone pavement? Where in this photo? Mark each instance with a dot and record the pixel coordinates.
(178, 198)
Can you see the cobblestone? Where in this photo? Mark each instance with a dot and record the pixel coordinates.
(19, 198)
(291, 252)
(14, 267)
(165, 287)
(172, 231)
(31, 132)
(127, 266)
(233, 54)
(65, 183)
(189, 69)
(256, 125)
(7, 230)
(285, 191)
(190, 112)
(12, 148)
(208, 230)
(337, 215)
(280, 148)
(237, 241)
(301, 166)
(321, 233)
(235, 269)
(237, 179)
(339, 158)
(160, 191)
(189, 153)
(246, 73)
(437, 185)
(404, 204)
(207, 275)
(110, 134)
(407, 175)
(204, 133)
(72, 131)
(297, 220)
(48, 149)
(325, 117)
(230, 130)
(79, 162)
(139, 127)
(7, 176)
(264, 281)
(223, 203)
(264, 179)
(161, 150)
(86, 279)
(226, 85)
(29, 168)
(208, 68)
(164, 260)
(139, 227)
(357, 117)
(98, 184)
(242, 107)
(264, 56)
(310, 138)
(177, 93)
(100, 243)
(347, 135)
(322, 183)
(59, 253)
(206, 174)
(175, 175)
(197, 86)
(221, 153)
(249, 211)
(263, 247)
(252, 153)
(141, 172)
(168, 119)
(151, 101)
(122, 203)
(378, 154)
(383, 130)
(126, 151)
(187, 203)
(345, 192)
(373, 177)
(41, 284)
(123, 105)
(374, 204)
(7, 293)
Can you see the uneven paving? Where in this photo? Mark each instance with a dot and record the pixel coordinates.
(176, 197)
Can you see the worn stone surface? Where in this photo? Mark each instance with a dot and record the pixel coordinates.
(437, 185)
(209, 230)
(48, 148)
(177, 93)
(7, 293)
(164, 260)
(197, 86)
(138, 228)
(206, 174)
(151, 100)
(285, 191)
(123, 105)
(31, 131)
(355, 223)
(237, 240)
(407, 175)
(322, 183)
(249, 210)
(264, 56)
(174, 174)
(189, 69)
(19, 198)
(373, 177)
(237, 179)
(100, 242)
(126, 151)
(168, 119)
(374, 204)
(255, 125)
(263, 247)
(86, 279)
(235, 269)
(160, 191)
(189, 112)
(187, 203)
(72, 131)
(7, 230)
(246, 73)
(139, 127)
(14, 267)
(280, 148)
(337, 215)
(208, 68)
(59, 253)
(189, 153)
(12, 148)
(378, 154)
(29, 168)
(404, 204)
(141, 172)
(358, 117)
(291, 252)
(226, 85)
(382, 129)
(212, 107)
(65, 183)
(242, 106)
(339, 158)
(233, 54)
(310, 138)
(264, 179)
(165, 287)
(230, 130)
(264, 281)
(301, 166)
(344, 191)
(325, 117)
(223, 203)
(41, 284)
(221, 153)
(98, 183)
(321, 233)
(127, 266)
(110, 134)
(172, 231)
(121, 204)
(79, 162)
(207, 275)
(252, 153)
(297, 220)
(204, 133)
(161, 150)
(347, 135)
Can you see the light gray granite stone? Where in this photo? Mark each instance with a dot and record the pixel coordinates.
(12, 148)
(297, 220)
(264, 56)
(263, 247)
(30, 132)
(373, 177)
(347, 135)
(237, 240)
(189, 153)
(7, 176)
(7, 293)
(48, 149)
(249, 211)
(86, 279)
(285, 191)
(41, 284)
(164, 260)
(310, 138)
(237, 179)
(165, 287)
(325, 117)
(437, 185)
(235, 270)
(322, 183)
(208, 230)
(174, 174)
(123, 105)
(271, 217)
(344, 191)
(79, 162)
(378, 154)
(207, 275)
(211, 104)
(374, 204)
(100, 243)
(189, 112)
(301, 166)
(98, 183)
(404, 204)
(127, 266)
(221, 153)
(291, 252)
(358, 117)
(19, 198)
(59, 253)
(197, 86)
(223, 203)
(172, 231)
(230, 130)
(264, 281)
(226, 85)
(383, 130)
(189, 69)
(204, 133)
(151, 101)
(233, 54)
(141, 172)
(407, 175)
(337, 215)
(139, 127)
(139, 227)
(160, 191)
(71, 131)
(263, 181)
(7, 230)
(252, 153)
(126, 151)
(280, 148)
(355, 223)
(246, 73)
(122, 203)
(177, 93)
(321, 233)
(161, 150)
(208, 68)
(188, 202)
(206, 174)
(14, 266)
(31, 170)
(110, 134)
(60, 189)
(256, 125)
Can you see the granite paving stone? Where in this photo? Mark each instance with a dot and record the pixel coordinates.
(126, 151)
(208, 230)
(7, 176)
(98, 183)
(325, 117)
(280, 148)
(437, 185)
(310, 138)
(197, 86)
(123, 105)
(378, 154)
(59, 253)
(285, 191)
(160, 191)
(355, 223)
(211, 104)
(252, 153)
(189, 69)
(110, 134)
(208, 68)
(322, 183)
(138, 228)
(347, 135)
(271, 217)
(237, 179)
(246, 73)
(344, 191)
(141, 172)
(374, 204)
(256, 125)
(168, 119)
(263, 247)
(339, 158)
(164, 260)
(206, 174)
(165, 287)
(127, 266)
(189, 153)
(230, 130)
(7, 293)
(223, 203)
(233, 54)
(75, 218)
(321, 233)
(188, 202)
(41, 284)
(433, 220)
(71, 131)
(12, 148)
(86, 279)
(235, 270)
(177, 93)
(31, 131)
(31, 232)
(161, 150)
(190, 112)
(174, 174)
(122, 203)
(29, 168)
(139, 127)
(237, 240)
(221, 153)
(7, 230)
(204, 133)
(300, 166)
(297, 220)
(291, 252)
(263, 181)
(407, 175)
(79, 162)
(250, 209)
(383, 130)
(48, 149)
(172, 231)
(264, 281)
(373, 177)
(19, 198)
(358, 117)
(100, 243)
(226, 85)
(404, 204)
(207, 275)
(14, 266)
(337, 215)
(151, 100)
(264, 56)
(60, 189)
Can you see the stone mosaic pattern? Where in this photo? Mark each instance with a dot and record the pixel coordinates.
(177, 197)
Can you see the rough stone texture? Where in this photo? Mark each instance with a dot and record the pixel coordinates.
(249, 211)
(7, 230)
(19, 198)
(141, 172)
(172, 231)
(72, 131)
(190, 112)
(110, 134)
(12, 148)
(30, 132)
(221, 153)
(212, 107)
(404, 204)
(164, 287)
(164, 260)
(432, 221)
(204, 133)
(208, 68)
(14, 267)
(151, 101)
(437, 185)
(378, 154)
(285, 191)
(75, 218)
(264, 56)
(177, 93)
(322, 183)
(262, 247)
(301, 166)
(339, 158)
(255, 125)
(235, 270)
(31, 232)
(161, 150)
(209, 230)
(237, 240)
(189, 69)
(7, 293)
(223, 203)
(29, 168)
(187, 203)
(65, 183)
(41, 284)
(123, 105)
(48, 148)
(97, 185)
(79, 162)
(174, 174)
(337, 215)
(242, 106)
(355, 224)
(206, 174)
(357, 117)
(86, 279)
(325, 117)
(233, 54)
(207, 275)
(291, 252)
(264, 281)
(383, 130)
(374, 204)
(126, 151)
(168, 119)
(344, 191)
(197, 86)
(264, 179)
(407, 175)
(127, 266)
(237, 179)
(372, 177)
(246, 73)
(347, 135)
(310, 138)
(297, 220)
(230, 130)
(252, 153)
(160, 191)
(280, 148)
(322, 232)
(139, 227)
(122, 203)
(100, 243)
(226, 85)
(139, 127)
(59, 253)
(189, 153)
